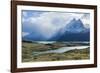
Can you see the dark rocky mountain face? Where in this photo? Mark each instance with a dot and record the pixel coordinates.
(74, 31)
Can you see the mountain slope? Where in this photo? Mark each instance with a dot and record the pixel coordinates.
(74, 31)
(75, 26)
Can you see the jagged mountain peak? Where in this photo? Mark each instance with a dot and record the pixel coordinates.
(75, 26)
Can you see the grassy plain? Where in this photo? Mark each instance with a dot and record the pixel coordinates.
(28, 48)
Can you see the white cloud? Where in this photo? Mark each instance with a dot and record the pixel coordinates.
(85, 22)
(24, 14)
(25, 33)
(48, 23)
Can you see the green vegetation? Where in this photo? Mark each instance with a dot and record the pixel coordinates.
(28, 48)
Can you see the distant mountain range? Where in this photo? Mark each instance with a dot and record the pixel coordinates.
(73, 31)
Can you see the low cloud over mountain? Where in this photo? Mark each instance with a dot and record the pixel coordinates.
(55, 26)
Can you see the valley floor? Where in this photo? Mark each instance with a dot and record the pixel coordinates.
(76, 54)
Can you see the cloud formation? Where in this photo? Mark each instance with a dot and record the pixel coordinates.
(24, 34)
(48, 23)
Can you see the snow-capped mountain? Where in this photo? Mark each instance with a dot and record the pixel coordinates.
(75, 26)
(74, 31)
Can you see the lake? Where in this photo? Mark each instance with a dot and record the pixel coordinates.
(60, 50)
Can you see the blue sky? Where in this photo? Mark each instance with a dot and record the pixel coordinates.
(48, 23)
